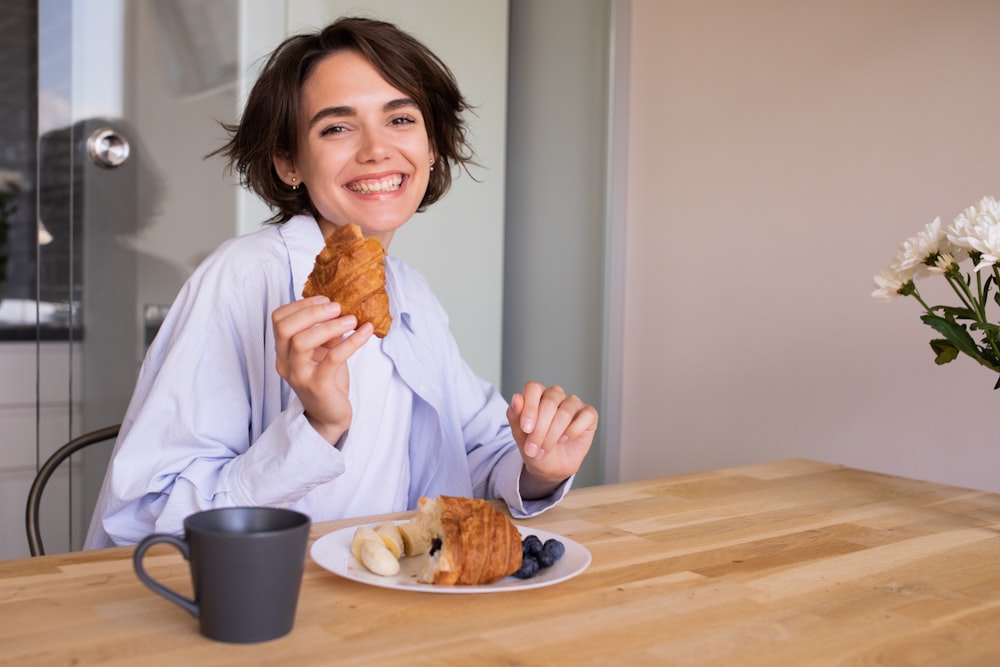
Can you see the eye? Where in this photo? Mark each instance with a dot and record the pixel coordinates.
(331, 130)
(402, 121)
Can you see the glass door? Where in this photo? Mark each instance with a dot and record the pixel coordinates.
(107, 206)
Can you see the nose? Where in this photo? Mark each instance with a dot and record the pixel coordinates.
(374, 146)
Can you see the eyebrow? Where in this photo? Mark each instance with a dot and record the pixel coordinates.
(392, 105)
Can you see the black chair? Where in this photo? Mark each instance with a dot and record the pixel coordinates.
(31, 512)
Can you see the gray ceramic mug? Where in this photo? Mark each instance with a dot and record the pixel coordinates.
(246, 569)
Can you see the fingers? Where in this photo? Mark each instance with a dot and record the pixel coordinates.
(544, 417)
(305, 331)
(345, 347)
(301, 308)
(514, 417)
(293, 318)
(324, 372)
(532, 397)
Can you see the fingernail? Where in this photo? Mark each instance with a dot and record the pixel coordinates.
(564, 439)
(527, 425)
(530, 450)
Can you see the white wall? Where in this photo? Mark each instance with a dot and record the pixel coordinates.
(779, 151)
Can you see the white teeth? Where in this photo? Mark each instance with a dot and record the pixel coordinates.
(387, 184)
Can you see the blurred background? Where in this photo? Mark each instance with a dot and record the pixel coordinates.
(679, 214)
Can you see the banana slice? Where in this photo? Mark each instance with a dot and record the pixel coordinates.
(362, 535)
(377, 558)
(390, 535)
(414, 543)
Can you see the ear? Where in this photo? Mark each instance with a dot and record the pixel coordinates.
(284, 166)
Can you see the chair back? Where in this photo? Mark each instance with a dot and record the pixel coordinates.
(31, 512)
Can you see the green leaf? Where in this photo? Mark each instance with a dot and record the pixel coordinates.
(956, 333)
(959, 337)
(944, 352)
(987, 327)
(957, 313)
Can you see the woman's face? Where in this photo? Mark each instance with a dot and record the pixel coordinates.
(363, 152)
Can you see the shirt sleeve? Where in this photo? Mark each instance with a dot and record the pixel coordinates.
(193, 437)
(508, 476)
(187, 448)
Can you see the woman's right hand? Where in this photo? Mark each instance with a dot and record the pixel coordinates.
(312, 357)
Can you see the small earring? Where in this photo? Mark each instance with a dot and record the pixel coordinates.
(295, 186)
(432, 164)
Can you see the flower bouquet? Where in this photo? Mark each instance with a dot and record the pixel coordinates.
(974, 235)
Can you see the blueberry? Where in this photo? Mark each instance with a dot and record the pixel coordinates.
(545, 559)
(531, 545)
(554, 548)
(529, 568)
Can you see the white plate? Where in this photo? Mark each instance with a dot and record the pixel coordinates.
(333, 552)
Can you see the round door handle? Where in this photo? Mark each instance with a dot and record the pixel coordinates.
(107, 148)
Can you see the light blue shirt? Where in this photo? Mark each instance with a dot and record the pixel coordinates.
(212, 424)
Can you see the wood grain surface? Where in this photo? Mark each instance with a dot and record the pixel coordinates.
(794, 563)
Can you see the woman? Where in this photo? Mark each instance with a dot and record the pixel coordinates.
(252, 396)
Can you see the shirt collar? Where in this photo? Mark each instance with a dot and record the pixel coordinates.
(303, 241)
(399, 305)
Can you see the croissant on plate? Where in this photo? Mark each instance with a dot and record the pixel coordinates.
(471, 541)
(351, 271)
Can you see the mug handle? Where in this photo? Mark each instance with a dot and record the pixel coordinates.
(157, 587)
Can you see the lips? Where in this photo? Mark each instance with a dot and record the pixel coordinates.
(376, 185)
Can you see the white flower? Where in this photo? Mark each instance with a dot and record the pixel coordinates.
(968, 327)
(977, 229)
(943, 262)
(916, 250)
(890, 281)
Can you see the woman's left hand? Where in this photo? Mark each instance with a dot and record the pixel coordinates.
(553, 430)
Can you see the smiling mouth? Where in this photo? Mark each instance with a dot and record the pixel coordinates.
(387, 184)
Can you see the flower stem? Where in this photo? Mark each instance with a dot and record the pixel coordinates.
(962, 290)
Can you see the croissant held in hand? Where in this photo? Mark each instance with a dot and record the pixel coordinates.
(351, 271)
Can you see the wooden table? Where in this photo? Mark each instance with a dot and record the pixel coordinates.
(794, 563)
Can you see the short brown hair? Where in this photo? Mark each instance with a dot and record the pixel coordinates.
(269, 125)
